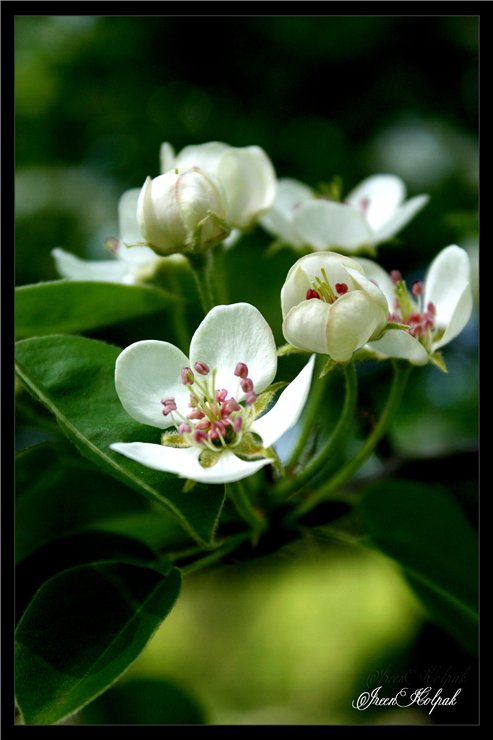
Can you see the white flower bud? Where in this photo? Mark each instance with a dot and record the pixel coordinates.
(182, 212)
(329, 306)
(246, 174)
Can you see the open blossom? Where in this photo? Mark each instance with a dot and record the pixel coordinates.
(372, 213)
(245, 173)
(211, 398)
(435, 310)
(130, 265)
(182, 211)
(329, 306)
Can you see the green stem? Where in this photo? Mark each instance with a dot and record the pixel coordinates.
(318, 461)
(201, 264)
(312, 409)
(244, 507)
(226, 548)
(347, 471)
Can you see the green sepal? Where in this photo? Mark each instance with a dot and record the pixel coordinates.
(250, 447)
(288, 349)
(329, 365)
(266, 397)
(173, 439)
(208, 458)
(437, 359)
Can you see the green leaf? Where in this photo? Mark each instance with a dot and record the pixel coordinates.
(80, 306)
(74, 377)
(82, 630)
(423, 528)
(143, 701)
(66, 552)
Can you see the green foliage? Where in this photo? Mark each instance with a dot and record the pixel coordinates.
(82, 630)
(423, 528)
(73, 376)
(71, 307)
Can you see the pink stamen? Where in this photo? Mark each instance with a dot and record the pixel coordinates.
(199, 437)
(250, 398)
(241, 370)
(230, 406)
(341, 288)
(169, 405)
(201, 367)
(431, 308)
(417, 288)
(395, 276)
(218, 429)
(187, 376)
(247, 385)
(364, 204)
(221, 395)
(184, 428)
(311, 293)
(195, 414)
(204, 424)
(237, 424)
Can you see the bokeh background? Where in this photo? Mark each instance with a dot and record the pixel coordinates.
(295, 637)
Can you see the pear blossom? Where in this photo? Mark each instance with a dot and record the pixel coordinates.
(246, 174)
(329, 306)
(372, 213)
(182, 212)
(211, 398)
(435, 310)
(133, 264)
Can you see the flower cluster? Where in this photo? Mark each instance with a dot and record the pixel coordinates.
(214, 405)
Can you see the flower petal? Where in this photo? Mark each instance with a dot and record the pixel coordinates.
(232, 334)
(278, 220)
(147, 372)
(305, 326)
(286, 412)
(206, 156)
(401, 345)
(372, 291)
(400, 218)
(447, 277)
(378, 197)
(305, 270)
(354, 318)
(72, 267)
(459, 318)
(378, 275)
(185, 462)
(324, 225)
(128, 226)
(167, 157)
(249, 181)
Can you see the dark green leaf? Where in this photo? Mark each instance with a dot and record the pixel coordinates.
(79, 306)
(74, 377)
(423, 528)
(82, 630)
(67, 552)
(143, 701)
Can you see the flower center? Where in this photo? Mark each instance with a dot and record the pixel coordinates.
(216, 420)
(409, 309)
(322, 290)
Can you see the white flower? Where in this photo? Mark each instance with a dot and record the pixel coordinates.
(182, 212)
(132, 264)
(372, 213)
(330, 307)
(435, 310)
(210, 397)
(246, 174)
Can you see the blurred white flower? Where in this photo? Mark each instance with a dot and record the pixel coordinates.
(131, 264)
(436, 310)
(372, 213)
(246, 174)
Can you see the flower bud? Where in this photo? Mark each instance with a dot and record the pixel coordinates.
(182, 212)
(338, 321)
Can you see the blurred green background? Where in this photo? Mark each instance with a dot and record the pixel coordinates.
(295, 637)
